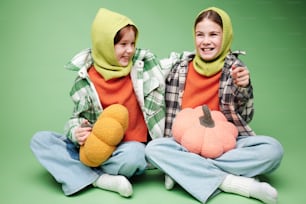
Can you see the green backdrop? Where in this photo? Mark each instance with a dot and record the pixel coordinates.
(39, 37)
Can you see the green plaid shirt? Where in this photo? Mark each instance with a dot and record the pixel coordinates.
(148, 83)
(235, 103)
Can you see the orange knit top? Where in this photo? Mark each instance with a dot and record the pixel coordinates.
(200, 90)
(120, 91)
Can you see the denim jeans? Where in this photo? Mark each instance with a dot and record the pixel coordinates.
(61, 158)
(201, 177)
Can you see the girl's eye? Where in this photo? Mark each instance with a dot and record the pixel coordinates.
(215, 34)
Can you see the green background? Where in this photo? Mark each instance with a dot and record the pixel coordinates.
(39, 37)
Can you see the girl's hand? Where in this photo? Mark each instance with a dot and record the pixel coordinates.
(241, 76)
(82, 132)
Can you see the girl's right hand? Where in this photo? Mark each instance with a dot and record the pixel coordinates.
(82, 132)
(241, 76)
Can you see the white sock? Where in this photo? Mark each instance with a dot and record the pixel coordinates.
(264, 192)
(249, 187)
(169, 182)
(116, 183)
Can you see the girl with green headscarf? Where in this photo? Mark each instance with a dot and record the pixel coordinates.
(113, 71)
(213, 75)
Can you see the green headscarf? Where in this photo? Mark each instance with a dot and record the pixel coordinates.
(209, 68)
(104, 28)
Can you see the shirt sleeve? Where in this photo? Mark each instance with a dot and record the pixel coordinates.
(83, 110)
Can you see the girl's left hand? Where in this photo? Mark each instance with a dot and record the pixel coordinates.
(241, 76)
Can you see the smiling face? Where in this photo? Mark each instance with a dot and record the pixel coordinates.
(125, 47)
(208, 39)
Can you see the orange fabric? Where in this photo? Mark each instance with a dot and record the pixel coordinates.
(120, 91)
(200, 90)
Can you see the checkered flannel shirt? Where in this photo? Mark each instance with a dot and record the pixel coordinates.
(148, 83)
(236, 103)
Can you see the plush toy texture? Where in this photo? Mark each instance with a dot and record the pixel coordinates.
(106, 134)
(204, 132)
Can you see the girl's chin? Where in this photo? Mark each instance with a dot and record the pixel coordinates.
(207, 57)
(124, 64)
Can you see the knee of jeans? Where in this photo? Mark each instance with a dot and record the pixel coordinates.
(274, 152)
(42, 140)
(37, 139)
(149, 148)
(153, 147)
(136, 154)
(134, 162)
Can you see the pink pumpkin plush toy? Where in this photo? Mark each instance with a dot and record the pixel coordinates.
(204, 132)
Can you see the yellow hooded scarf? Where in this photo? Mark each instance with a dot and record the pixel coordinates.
(104, 28)
(209, 68)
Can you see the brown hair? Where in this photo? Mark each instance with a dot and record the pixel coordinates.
(120, 33)
(211, 15)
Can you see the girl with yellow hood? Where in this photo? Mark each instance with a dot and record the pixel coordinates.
(214, 76)
(112, 72)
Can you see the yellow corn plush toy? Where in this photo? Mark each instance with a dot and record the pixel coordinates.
(106, 134)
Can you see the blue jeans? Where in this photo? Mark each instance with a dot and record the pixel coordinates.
(61, 158)
(201, 177)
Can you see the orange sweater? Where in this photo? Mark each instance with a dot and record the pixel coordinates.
(200, 90)
(120, 91)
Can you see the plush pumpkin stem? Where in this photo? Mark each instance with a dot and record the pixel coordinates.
(206, 120)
